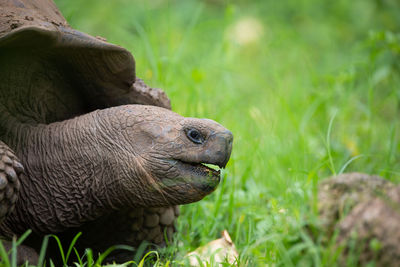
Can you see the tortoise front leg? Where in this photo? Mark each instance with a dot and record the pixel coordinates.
(153, 225)
(129, 227)
(25, 253)
(10, 169)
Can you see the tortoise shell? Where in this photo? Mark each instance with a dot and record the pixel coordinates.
(51, 72)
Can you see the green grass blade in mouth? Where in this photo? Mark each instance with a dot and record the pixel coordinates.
(212, 166)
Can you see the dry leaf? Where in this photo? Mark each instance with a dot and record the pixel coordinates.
(217, 251)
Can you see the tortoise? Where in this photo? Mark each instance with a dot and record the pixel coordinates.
(85, 145)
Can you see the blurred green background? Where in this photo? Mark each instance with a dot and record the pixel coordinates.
(309, 88)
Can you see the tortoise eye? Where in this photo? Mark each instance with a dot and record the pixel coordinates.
(195, 136)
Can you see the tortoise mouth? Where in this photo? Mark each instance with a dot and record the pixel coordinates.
(196, 174)
(202, 168)
(199, 169)
(190, 180)
(200, 176)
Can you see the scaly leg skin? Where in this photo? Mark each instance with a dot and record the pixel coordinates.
(127, 227)
(10, 170)
(154, 225)
(25, 253)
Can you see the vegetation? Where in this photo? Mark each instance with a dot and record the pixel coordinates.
(309, 88)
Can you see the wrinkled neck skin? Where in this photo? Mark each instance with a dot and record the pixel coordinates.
(72, 172)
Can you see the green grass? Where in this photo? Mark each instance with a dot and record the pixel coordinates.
(315, 93)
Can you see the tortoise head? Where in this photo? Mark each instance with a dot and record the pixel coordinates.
(163, 154)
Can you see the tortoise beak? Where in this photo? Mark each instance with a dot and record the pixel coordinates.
(222, 148)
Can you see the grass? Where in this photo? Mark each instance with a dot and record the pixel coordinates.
(309, 89)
